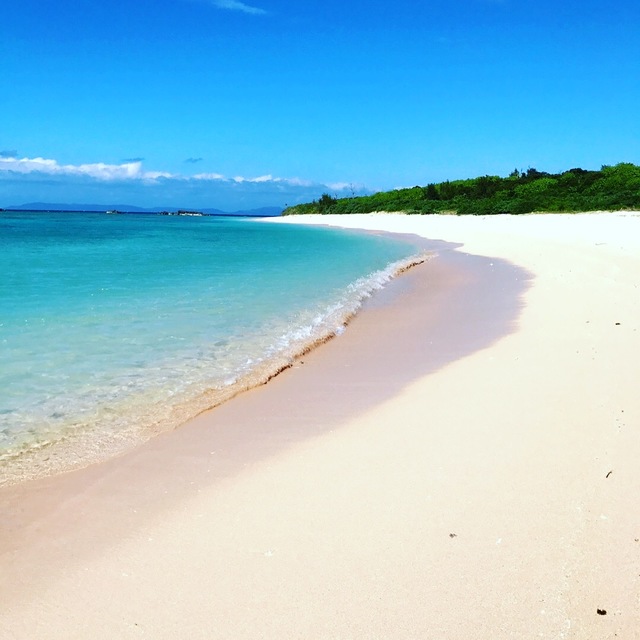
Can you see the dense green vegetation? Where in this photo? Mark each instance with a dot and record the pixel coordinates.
(610, 189)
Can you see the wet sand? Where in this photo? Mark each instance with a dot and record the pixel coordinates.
(461, 462)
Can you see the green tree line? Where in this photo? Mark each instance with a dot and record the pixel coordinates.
(610, 189)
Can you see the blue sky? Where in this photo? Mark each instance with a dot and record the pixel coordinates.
(235, 105)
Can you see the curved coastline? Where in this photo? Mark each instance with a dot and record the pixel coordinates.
(478, 450)
(161, 473)
(85, 445)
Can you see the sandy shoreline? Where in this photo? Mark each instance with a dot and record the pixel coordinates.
(477, 478)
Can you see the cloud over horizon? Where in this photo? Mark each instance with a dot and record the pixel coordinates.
(97, 170)
(43, 179)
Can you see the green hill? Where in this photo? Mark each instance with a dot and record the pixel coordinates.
(610, 189)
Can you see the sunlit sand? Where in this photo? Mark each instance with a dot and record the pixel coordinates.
(461, 463)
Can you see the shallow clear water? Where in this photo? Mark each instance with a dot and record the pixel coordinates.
(116, 327)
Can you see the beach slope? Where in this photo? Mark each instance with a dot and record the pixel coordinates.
(461, 463)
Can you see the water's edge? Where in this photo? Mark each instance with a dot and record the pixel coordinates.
(82, 448)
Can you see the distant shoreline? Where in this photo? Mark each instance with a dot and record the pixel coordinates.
(47, 207)
(611, 188)
(139, 213)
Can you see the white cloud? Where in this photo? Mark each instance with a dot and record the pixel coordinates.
(267, 178)
(154, 175)
(97, 170)
(132, 171)
(47, 180)
(341, 186)
(299, 182)
(235, 5)
(208, 176)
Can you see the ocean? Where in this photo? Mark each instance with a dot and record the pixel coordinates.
(116, 327)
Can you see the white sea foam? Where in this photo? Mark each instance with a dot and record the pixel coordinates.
(102, 353)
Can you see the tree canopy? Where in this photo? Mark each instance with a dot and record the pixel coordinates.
(610, 189)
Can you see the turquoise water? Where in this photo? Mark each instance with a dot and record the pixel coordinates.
(113, 328)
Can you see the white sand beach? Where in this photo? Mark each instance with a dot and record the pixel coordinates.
(462, 462)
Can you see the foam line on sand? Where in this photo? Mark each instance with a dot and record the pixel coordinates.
(461, 463)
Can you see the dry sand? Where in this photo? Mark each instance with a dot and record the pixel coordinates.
(463, 462)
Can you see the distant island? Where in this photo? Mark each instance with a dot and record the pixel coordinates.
(132, 209)
(183, 212)
(613, 188)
